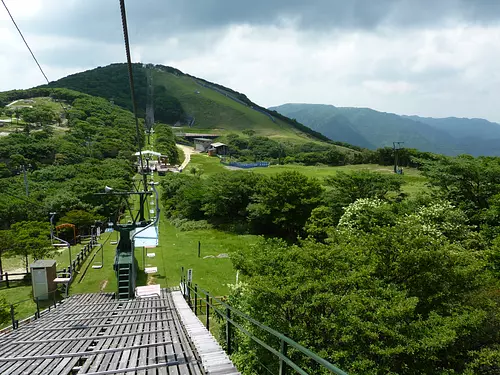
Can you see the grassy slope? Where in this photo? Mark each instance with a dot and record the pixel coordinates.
(213, 110)
(176, 249)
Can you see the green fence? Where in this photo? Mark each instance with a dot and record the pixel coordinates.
(202, 303)
(38, 306)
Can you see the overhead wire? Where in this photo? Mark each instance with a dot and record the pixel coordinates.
(132, 92)
(24, 40)
(29, 49)
(24, 199)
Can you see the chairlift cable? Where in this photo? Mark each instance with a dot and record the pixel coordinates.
(24, 199)
(24, 40)
(132, 92)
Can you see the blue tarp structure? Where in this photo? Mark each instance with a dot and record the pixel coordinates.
(148, 237)
(249, 165)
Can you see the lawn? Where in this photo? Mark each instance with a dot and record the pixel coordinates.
(414, 181)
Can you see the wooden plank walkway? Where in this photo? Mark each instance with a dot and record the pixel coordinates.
(214, 359)
(96, 334)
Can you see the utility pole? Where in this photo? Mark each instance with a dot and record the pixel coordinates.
(396, 146)
(26, 181)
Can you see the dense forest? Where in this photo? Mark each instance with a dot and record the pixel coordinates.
(373, 280)
(65, 168)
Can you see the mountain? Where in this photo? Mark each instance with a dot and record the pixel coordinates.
(191, 103)
(369, 128)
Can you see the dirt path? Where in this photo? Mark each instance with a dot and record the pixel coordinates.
(187, 153)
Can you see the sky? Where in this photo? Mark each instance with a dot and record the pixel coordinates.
(434, 58)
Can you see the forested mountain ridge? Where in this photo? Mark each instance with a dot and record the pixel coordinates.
(187, 101)
(369, 128)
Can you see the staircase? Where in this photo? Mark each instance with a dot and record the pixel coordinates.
(124, 282)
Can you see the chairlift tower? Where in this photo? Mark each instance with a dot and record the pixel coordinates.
(150, 112)
(125, 265)
(396, 146)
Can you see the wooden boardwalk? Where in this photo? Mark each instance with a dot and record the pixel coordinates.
(96, 334)
(213, 358)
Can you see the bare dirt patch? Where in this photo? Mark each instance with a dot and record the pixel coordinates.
(103, 285)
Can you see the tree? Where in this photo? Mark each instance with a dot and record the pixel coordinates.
(228, 194)
(346, 188)
(283, 203)
(363, 184)
(402, 299)
(9, 112)
(40, 115)
(249, 132)
(81, 219)
(320, 223)
(467, 182)
(31, 238)
(17, 113)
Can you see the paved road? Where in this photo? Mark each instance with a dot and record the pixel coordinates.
(187, 152)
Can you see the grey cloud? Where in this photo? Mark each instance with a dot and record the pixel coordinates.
(100, 19)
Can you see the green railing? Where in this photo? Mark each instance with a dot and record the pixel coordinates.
(197, 296)
(52, 300)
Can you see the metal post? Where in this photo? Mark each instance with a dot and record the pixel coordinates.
(69, 251)
(54, 298)
(37, 315)
(142, 198)
(283, 349)
(196, 299)
(7, 279)
(13, 316)
(201, 305)
(208, 312)
(199, 249)
(228, 330)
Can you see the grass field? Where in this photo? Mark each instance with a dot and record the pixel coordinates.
(414, 181)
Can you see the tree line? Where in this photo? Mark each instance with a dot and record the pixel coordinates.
(249, 147)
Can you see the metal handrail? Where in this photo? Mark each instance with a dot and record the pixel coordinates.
(283, 339)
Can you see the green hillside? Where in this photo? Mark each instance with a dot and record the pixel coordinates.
(191, 102)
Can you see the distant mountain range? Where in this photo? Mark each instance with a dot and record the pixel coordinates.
(368, 128)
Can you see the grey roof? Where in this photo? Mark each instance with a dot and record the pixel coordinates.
(217, 144)
(43, 263)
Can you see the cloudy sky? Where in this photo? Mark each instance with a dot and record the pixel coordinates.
(427, 57)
